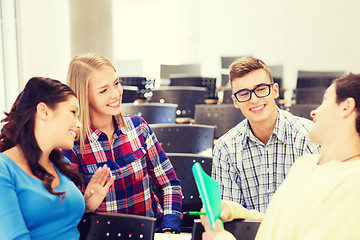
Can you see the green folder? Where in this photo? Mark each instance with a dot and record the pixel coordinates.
(209, 191)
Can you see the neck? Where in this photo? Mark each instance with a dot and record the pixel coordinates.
(105, 125)
(263, 130)
(341, 150)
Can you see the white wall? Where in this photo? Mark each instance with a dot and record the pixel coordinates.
(156, 31)
(45, 38)
(307, 34)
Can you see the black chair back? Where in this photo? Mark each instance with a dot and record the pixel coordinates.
(99, 226)
(182, 163)
(130, 94)
(152, 112)
(195, 81)
(311, 79)
(144, 85)
(185, 97)
(309, 95)
(223, 116)
(185, 138)
(303, 110)
(241, 229)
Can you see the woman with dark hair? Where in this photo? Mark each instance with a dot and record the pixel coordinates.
(319, 198)
(39, 195)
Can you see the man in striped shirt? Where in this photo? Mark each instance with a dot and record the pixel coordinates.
(253, 158)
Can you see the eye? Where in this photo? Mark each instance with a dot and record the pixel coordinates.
(243, 93)
(261, 88)
(103, 91)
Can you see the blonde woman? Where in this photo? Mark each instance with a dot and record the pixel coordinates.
(126, 144)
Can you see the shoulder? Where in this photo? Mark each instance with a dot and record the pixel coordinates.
(235, 134)
(132, 121)
(7, 166)
(294, 123)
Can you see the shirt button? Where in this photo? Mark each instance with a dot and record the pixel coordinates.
(268, 191)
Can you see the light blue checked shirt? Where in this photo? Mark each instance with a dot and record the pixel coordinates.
(248, 171)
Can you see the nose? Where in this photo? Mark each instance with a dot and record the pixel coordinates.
(253, 97)
(115, 93)
(78, 124)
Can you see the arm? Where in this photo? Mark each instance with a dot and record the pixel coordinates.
(12, 222)
(163, 174)
(224, 172)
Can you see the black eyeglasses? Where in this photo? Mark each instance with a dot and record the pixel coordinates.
(260, 91)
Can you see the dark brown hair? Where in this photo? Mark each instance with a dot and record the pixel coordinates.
(19, 123)
(244, 65)
(349, 86)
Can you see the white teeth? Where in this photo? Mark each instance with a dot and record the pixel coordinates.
(257, 108)
(73, 133)
(113, 104)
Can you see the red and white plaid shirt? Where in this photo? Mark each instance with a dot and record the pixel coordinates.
(137, 160)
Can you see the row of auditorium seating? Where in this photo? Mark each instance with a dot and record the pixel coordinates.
(223, 116)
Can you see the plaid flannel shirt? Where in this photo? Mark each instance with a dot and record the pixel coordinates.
(137, 160)
(248, 171)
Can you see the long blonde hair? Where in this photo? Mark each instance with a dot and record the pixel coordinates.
(79, 74)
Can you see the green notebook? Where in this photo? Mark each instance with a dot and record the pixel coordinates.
(209, 191)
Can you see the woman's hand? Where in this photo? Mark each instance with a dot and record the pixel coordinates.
(96, 190)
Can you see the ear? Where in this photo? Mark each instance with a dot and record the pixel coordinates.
(42, 111)
(236, 103)
(348, 107)
(275, 88)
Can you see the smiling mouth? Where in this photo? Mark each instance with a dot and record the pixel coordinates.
(114, 104)
(256, 109)
(72, 132)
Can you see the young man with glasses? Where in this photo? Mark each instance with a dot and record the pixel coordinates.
(253, 158)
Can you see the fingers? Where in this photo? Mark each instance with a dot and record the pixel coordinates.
(205, 221)
(218, 224)
(100, 175)
(225, 213)
(109, 183)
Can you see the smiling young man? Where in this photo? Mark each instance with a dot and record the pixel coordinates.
(253, 158)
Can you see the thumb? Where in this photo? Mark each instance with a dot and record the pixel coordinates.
(218, 225)
(89, 195)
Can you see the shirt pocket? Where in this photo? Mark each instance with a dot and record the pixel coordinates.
(135, 164)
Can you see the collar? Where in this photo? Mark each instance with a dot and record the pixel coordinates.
(277, 134)
(95, 133)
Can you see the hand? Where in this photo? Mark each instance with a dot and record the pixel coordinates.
(225, 214)
(219, 233)
(96, 190)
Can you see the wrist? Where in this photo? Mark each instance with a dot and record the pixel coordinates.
(169, 230)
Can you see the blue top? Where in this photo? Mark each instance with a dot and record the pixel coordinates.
(29, 211)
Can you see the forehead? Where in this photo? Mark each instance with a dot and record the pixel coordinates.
(71, 101)
(331, 91)
(102, 77)
(251, 80)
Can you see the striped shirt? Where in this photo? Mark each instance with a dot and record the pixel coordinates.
(248, 171)
(137, 161)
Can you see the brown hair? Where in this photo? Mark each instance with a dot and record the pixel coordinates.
(244, 65)
(349, 86)
(19, 126)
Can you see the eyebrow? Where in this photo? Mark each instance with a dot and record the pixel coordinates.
(116, 80)
(261, 84)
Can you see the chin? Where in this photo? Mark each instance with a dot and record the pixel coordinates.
(313, 137)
